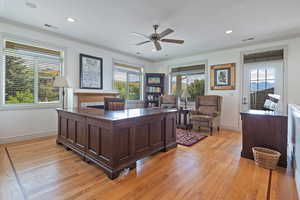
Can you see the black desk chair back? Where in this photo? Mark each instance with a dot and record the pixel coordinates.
(114, 103)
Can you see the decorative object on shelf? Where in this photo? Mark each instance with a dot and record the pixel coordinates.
(91, 72)
(222, 77)
(61, 82)
(154, 88)
(185, 94)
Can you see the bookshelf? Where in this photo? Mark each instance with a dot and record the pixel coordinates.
(154, 88)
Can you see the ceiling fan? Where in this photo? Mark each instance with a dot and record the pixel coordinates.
(156, 38)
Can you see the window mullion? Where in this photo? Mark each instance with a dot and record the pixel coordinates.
(36, 80)
(2, 79)
(127, 85)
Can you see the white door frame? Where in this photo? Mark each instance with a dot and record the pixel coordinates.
(285, 70)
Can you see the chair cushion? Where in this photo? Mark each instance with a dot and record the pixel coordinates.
(199, 117)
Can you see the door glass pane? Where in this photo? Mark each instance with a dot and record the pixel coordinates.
(271, 73)
(261, 84)
(120, 80)
(134, 86)
(261, 74)
(253, 86)
(271, 84)
(253, 75)
(19, 80)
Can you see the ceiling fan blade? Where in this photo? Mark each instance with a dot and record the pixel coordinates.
(173, 41)
(166, 32)
(140, 35)
(142, 43)
(157, 46)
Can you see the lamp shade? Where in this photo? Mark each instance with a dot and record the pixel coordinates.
(185, 94)
(60, 82)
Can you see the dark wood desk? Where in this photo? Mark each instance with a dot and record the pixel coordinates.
(264, 129)
(115, 140)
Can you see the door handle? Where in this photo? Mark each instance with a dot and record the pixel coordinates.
(244, 101)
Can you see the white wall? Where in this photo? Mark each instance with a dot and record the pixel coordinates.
(27, 123)
(20, 124)
(231, 106)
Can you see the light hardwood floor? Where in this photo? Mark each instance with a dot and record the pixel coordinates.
(210, 170)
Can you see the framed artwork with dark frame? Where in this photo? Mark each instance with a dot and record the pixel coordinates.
(222, 77)
(91, 72)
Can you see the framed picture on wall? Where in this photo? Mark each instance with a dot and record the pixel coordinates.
(91, 72)
(222, 77)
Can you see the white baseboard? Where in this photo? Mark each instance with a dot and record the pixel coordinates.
(232, 128)
(6, 140)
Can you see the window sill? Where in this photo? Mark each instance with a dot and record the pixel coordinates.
(30, 107)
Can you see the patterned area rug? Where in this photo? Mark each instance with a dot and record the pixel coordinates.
(187, 138)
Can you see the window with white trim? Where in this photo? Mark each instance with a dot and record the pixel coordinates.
(127, 80)
(190, 78)
(28, 74)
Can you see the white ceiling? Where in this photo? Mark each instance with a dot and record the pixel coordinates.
(201, 23)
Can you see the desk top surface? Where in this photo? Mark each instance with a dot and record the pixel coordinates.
(263, 112)
(118, 114)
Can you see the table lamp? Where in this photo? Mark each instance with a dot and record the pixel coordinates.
(185, 94)
(61, 82)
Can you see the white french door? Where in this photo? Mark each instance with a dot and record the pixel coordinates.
(261, 79)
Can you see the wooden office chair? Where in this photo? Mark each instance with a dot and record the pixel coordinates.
(114, 103)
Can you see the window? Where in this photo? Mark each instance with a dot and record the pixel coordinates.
(29, 73)
(127, 80)
(191, 78)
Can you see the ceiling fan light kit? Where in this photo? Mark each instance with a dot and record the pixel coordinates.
(156, 38)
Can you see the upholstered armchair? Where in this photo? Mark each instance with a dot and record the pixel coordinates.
(207, 112)
(168, 101)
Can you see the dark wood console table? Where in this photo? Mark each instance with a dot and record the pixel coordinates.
(264, 129)
(185, 124)
(115, 140)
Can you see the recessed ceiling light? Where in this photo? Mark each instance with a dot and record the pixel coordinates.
(31, 5)
(153, 50)
(70, 19)
(228, 31)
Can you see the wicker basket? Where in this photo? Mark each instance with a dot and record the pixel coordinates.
(266, 158)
